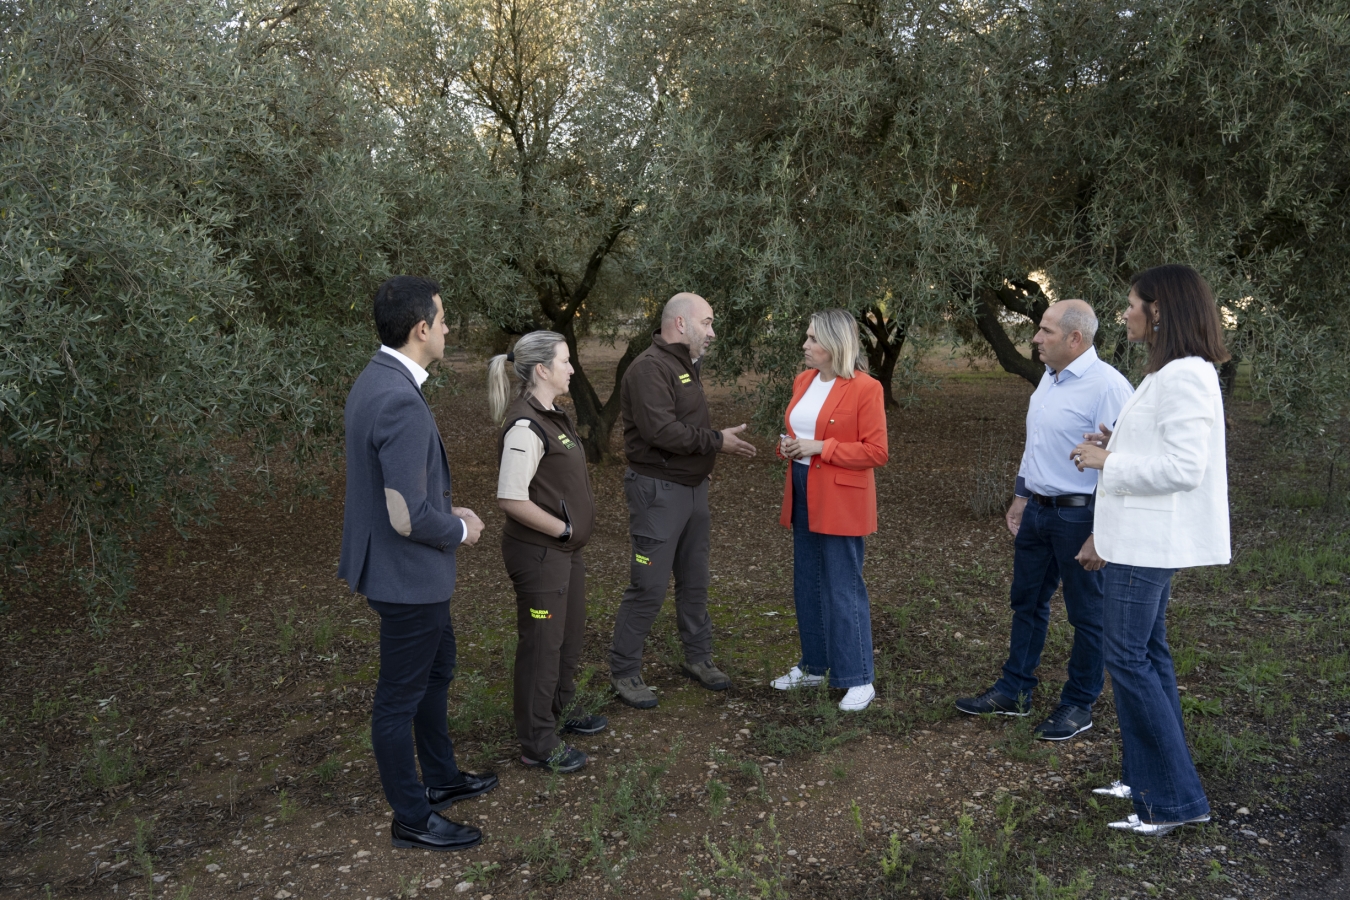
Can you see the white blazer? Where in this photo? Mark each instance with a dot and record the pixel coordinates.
(1162, 499)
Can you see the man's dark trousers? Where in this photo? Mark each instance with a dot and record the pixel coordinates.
(1047, 541)
(417, 662)
(671, 531)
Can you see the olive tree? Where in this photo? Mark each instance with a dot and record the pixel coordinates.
(185, 219)
(538, 119)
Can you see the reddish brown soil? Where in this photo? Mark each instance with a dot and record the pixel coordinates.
(245, 725)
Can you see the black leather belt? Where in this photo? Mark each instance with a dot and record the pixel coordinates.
(1063, 500)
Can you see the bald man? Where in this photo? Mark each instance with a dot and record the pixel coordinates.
(671, 447)
(1051, 520)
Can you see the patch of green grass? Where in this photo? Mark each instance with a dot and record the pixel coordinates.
(1198, 706)
(717, 798)
(325, 629)
(285, 627)
(1219, 751)
(326, 771)
(630, 803)
(108, 767)
(479, 706)
(140, 853)
(749, 868)
(897, 862)
(285, 806)
(482, 872)
(1322, 562)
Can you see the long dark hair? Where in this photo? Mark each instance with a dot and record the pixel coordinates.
(1187, 316)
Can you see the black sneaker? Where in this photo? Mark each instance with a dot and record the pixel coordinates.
(1064, 723)
(991, 701)
(563, 759)
(585, 725)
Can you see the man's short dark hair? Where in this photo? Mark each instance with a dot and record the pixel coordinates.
(400, 303)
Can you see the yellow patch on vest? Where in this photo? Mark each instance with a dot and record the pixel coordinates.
(567, 442)
(540, 613)
(685, 378)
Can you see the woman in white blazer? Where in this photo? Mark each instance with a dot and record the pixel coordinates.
(1162, 505)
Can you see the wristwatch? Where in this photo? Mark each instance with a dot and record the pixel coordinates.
(567, 532)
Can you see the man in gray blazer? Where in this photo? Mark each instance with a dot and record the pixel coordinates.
(399, 537)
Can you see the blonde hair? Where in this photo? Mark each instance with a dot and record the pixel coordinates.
(837, 333)
(531, 350)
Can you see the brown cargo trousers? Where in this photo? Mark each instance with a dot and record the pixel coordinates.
(550, 626)
(670, 530)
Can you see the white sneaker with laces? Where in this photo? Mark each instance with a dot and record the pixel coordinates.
(1153, 829)
(858, 698)
(796, 679)
(1117, 789)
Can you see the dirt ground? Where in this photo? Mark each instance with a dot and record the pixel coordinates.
(215, 742)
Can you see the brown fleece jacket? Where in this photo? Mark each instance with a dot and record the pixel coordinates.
(667, 430)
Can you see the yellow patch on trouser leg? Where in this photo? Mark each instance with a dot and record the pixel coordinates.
(540, 613)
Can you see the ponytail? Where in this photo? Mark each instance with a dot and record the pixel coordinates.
(499, 383)
(535, 348)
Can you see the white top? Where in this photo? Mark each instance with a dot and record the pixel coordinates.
(1162, 500)
(521, 451)
(804, 415)
(418, 373)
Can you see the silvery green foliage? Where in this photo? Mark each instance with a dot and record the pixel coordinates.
(529, 126)
(937, 155)
(184, 230)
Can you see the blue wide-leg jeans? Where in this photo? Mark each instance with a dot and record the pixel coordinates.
(1043, 555)
(834, 616)
(1156, 763)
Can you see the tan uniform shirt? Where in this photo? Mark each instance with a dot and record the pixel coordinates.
(521, 452)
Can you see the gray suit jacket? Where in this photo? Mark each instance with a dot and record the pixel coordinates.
(398, 535)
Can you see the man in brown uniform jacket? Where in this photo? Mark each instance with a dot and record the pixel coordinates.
(671, 447)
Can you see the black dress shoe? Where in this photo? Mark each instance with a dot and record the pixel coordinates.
(436, 834)
(470, 786)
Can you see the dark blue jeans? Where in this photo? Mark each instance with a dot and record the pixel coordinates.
(417, 662)
(834, 617)
(1043, 556)
(1155, 763)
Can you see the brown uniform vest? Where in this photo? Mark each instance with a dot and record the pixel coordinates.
(562, 485)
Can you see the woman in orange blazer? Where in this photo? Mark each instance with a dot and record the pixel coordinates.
(836, 436)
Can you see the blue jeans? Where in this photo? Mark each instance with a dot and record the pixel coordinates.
(1156, 763)
(834, 617)
(417, 662)
(1043, 554)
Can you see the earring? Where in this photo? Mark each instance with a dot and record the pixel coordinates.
(1155, 326)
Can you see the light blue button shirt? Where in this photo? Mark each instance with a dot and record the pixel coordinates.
(1065, 406)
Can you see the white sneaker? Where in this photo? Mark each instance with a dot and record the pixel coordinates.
(858, 698)
(1153, 829)
(796, 679)
(1117, 789)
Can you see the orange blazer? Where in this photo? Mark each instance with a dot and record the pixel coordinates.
(841, 491)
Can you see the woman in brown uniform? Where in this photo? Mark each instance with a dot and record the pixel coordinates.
(545, 490)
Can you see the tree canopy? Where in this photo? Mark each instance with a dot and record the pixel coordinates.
(198, 199)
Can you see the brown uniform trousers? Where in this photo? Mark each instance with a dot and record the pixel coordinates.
(550, 588)
(671, 530)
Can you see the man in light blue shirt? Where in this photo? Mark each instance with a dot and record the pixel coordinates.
(1051, 519)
